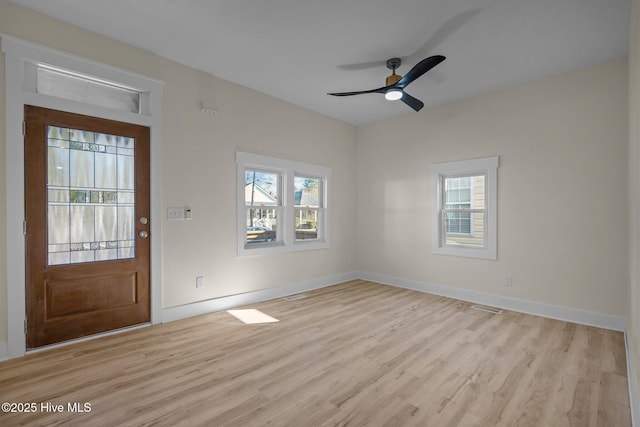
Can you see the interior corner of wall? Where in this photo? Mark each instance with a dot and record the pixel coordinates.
(4, 355)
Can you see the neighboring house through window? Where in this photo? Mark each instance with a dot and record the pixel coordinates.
(465, 217)
(458, 197)
(307, 197)
(262, 205)
(282, 205)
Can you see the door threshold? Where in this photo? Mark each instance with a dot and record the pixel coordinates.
(87, 338)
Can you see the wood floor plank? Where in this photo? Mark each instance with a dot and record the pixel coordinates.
(358, 353)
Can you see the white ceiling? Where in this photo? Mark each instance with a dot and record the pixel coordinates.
(298, 50)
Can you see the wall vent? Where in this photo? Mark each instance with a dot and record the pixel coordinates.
(487, 309)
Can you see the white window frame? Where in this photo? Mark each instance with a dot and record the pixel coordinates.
(487, 166)
(285, 231)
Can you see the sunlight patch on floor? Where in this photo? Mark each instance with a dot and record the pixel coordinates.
(251, 316)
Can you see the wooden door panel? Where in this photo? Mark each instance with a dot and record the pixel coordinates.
(87, 294)
(78, 286)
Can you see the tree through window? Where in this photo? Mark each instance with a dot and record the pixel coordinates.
(282, 205)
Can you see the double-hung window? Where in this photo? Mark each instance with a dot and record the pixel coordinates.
(282, 205)
(465, 203)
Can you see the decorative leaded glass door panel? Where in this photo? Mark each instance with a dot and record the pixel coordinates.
(87, 210)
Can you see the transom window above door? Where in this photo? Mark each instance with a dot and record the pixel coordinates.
(73, 86)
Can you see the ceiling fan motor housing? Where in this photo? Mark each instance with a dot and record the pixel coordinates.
(392, 64)
(393, 79)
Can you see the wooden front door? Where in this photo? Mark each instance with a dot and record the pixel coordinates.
(87, 225)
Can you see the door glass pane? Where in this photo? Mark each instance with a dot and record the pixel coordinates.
(125, 168)
(90, 188)
(106, 223)
(58, 224)
(58, 164)
(106, 168)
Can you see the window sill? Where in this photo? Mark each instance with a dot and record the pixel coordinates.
(467, 252)
(278, 248)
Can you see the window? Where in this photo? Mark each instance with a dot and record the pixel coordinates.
(464, 216)
(262, 196)
(73, 86)
(282, 205)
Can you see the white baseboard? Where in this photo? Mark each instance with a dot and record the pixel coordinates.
(634, 398)
(224, 303)
(573, 315)
(601, 320)
(4, 351)
(590, 318)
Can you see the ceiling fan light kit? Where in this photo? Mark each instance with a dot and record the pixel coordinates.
(395, 84)
(393, 94)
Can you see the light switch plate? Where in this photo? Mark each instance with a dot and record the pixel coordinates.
(175, 213)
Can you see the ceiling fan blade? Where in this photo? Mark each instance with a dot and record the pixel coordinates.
(452, 25)
(378, 90)
(412, 102)
(362, 65)
(419, 69)
(443, 32)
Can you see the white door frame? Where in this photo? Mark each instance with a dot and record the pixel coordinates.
(20, 91)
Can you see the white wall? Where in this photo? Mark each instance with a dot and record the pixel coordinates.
(200, 172)
(562, 185)
(198, 167)
(633, 320)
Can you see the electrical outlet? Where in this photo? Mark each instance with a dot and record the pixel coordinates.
(508, 280)
(199, 282)
(175, 213)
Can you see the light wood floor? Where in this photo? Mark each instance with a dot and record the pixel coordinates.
(353, 354)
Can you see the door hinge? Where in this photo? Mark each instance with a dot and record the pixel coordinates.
(24, 227)
(24, 128)
(25, 326)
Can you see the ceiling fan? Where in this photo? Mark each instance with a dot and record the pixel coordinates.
(395, 83)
